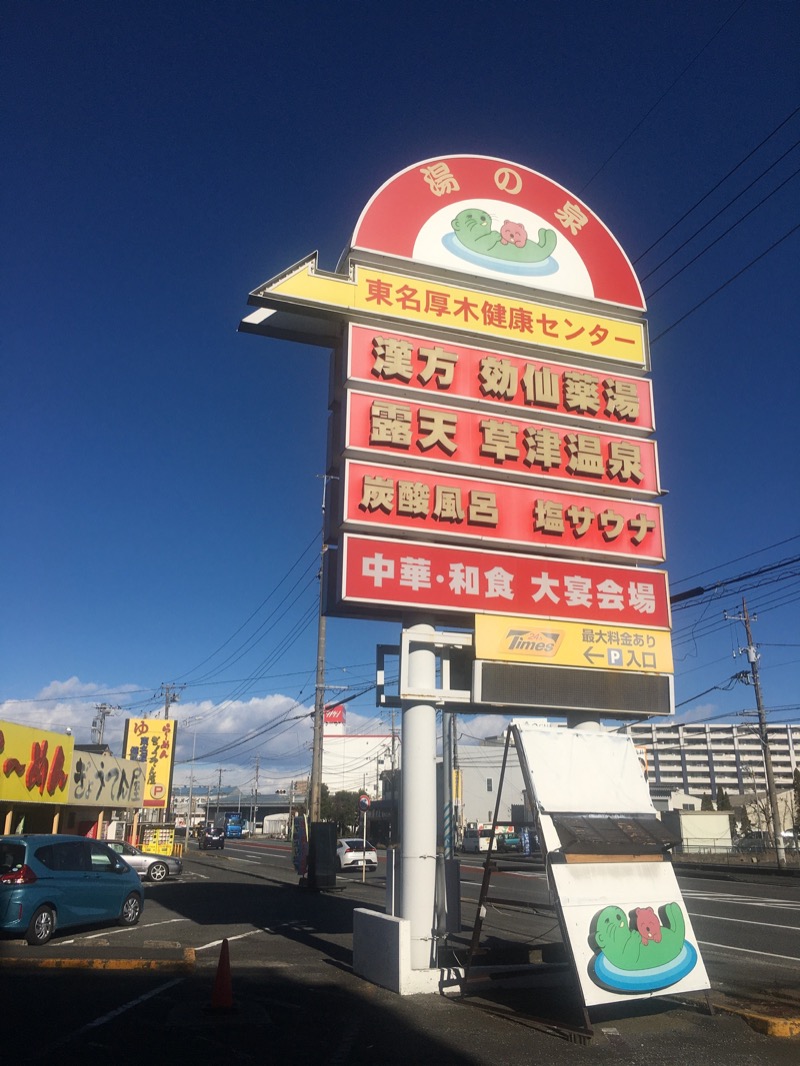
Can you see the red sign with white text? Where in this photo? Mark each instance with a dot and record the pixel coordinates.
(470, 441)
(404, 501)
(382, 575)
(515, 382)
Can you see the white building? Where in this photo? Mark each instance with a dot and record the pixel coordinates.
(700, 758)
(353, 762)
(480, 767)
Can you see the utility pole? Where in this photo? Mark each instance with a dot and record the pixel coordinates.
(191, 789)
(219, 789)
(752, 658)
(457, 776)
(315, 790)
(99, 721)
(171, 694)
(254, 813)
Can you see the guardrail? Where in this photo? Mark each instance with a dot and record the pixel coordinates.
(734, 856)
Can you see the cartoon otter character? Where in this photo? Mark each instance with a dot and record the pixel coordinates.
(626, 948)
(513, 233)
(473, 229)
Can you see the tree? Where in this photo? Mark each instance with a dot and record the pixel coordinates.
(325, 806)
(744, 822)
(341, 808)
(724, 804)
(707, 804)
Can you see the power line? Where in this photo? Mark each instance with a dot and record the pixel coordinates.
(724, 233)
(724, 285)
(738, 559)
(277, 613)
(714, 188)
(715, 216)
(666, 92)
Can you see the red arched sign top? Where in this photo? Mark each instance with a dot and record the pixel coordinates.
(498, 219)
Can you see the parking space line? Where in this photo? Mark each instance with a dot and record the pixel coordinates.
(116, 1012)
(241, 936)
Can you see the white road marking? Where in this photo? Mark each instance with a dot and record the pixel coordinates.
(734, 898)
(115, 1013)
(241, 936)
(749, 951)
(121, 932)
(744, 921)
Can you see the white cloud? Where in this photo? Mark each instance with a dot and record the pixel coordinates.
(274, 728)
(703, 712)
(69, 688)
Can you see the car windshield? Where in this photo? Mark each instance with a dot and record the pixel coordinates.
(358, 845)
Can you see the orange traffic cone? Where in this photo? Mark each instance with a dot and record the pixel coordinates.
(222, 996)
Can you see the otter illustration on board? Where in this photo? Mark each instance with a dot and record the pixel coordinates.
(473, 229)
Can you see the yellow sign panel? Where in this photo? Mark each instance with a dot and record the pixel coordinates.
(588, 644)
(386, 294)
(35, 765)
(151, 741)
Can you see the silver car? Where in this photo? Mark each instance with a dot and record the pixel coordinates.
(147, 866)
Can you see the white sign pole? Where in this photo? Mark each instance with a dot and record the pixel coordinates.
(364, 848)
(418, 803)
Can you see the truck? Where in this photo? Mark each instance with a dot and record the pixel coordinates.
(235, 825)
(477, 837)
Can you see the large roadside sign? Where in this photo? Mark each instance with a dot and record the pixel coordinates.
(492, 433)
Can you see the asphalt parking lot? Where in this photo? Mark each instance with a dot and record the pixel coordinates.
(286, 993)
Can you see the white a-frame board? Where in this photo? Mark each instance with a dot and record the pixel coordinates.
(623, 918)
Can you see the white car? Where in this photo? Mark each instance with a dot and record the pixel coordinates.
(352, 852)
(151, 867)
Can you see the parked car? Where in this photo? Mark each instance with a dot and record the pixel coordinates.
(508, 841)
(211, 836)
(352, 852)
(54, 881)
(151, 867)
(749, 847)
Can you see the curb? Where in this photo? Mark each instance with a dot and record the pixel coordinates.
(178, 962)
(766, 1024)
(763, 1021)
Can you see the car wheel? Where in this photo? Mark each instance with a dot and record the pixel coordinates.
(41, 927)
(158, 871)
(131, 910)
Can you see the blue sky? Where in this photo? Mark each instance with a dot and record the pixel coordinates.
(162, 503)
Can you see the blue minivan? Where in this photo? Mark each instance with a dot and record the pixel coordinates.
(53, 881)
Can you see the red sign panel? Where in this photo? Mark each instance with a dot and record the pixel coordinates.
(334, 715)
(477, 441)
(407, 501)
(451, 579)
(513, 381)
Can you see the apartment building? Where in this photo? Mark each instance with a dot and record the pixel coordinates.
(699, 758)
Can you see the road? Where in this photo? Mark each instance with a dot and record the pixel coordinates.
(296, 998)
